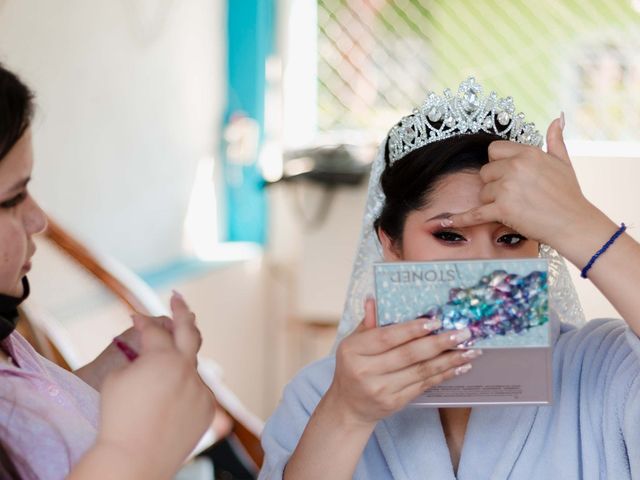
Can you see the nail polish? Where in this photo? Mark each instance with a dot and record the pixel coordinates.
(461, 336)
(432, 324)
(471, 354)
(177, 294)
(562, 123)
(463, 369)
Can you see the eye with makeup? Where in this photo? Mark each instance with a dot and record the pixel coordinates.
(450, 236)
(512, 239)
(14, 201)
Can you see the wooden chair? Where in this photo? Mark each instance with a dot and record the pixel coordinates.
(128, 293)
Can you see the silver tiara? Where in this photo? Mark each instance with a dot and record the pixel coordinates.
(465, 113)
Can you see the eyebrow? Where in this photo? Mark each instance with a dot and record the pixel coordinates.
(440, 216)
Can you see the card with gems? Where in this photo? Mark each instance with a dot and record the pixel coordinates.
(503, 303)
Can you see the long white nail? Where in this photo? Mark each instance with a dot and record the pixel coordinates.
(177, 294)
(463, 369)
(471, 354)
(432, 324)
(461, 336)
(562, 121)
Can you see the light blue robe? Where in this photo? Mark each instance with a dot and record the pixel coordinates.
(592, 431)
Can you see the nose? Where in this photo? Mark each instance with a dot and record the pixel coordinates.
(483, 248)
(35, 220)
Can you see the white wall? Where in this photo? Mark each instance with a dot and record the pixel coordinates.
(130, 96)
(611, 183)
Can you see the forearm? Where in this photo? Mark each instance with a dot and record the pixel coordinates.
(616, 273)
(330, 446)
(105, 462)
(88, 376)
(96, 371)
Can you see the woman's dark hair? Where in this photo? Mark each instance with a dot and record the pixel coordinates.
(409, 182)
(16, 110)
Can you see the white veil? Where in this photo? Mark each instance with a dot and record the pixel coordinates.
(563, 298)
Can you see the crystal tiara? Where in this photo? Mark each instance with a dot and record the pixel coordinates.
(465, 113)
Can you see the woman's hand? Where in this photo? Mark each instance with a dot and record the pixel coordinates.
(535, 193)
(112, 358)
(380, 370)
(154, 410)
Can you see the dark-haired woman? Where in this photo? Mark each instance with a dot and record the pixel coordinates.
(464, 177)
(148, 415)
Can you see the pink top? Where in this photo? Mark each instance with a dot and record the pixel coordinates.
(49, 416)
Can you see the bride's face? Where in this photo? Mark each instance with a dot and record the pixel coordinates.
(425, 239)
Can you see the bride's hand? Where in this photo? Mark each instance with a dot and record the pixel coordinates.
(379, 370)
(535, 193)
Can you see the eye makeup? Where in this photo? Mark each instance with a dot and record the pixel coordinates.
(14, 201)
(449, 236)
(508, 239)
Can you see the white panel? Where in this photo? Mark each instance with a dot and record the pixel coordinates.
(129, 98)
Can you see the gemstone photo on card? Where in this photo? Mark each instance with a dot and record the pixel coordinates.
(504, 303)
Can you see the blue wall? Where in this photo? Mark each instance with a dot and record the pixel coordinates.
(251, 31)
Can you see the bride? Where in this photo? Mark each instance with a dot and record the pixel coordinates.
(464, 177)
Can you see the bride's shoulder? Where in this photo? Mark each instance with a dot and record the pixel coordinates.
(599, 332)
(599, 347)
(314, 379)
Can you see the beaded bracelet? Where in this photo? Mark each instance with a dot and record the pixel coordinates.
(603, 249)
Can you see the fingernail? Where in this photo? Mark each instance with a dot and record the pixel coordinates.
(446, 222)
(177, 294)
(562, 121)
(461, 336)
(463, 369)
(368, 298)
(471, 354)
(432, 324)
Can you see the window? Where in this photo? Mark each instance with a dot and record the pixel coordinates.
(378, 58)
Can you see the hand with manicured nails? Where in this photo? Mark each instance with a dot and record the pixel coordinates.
(154, 410)
(380, 370)
(534, 192)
